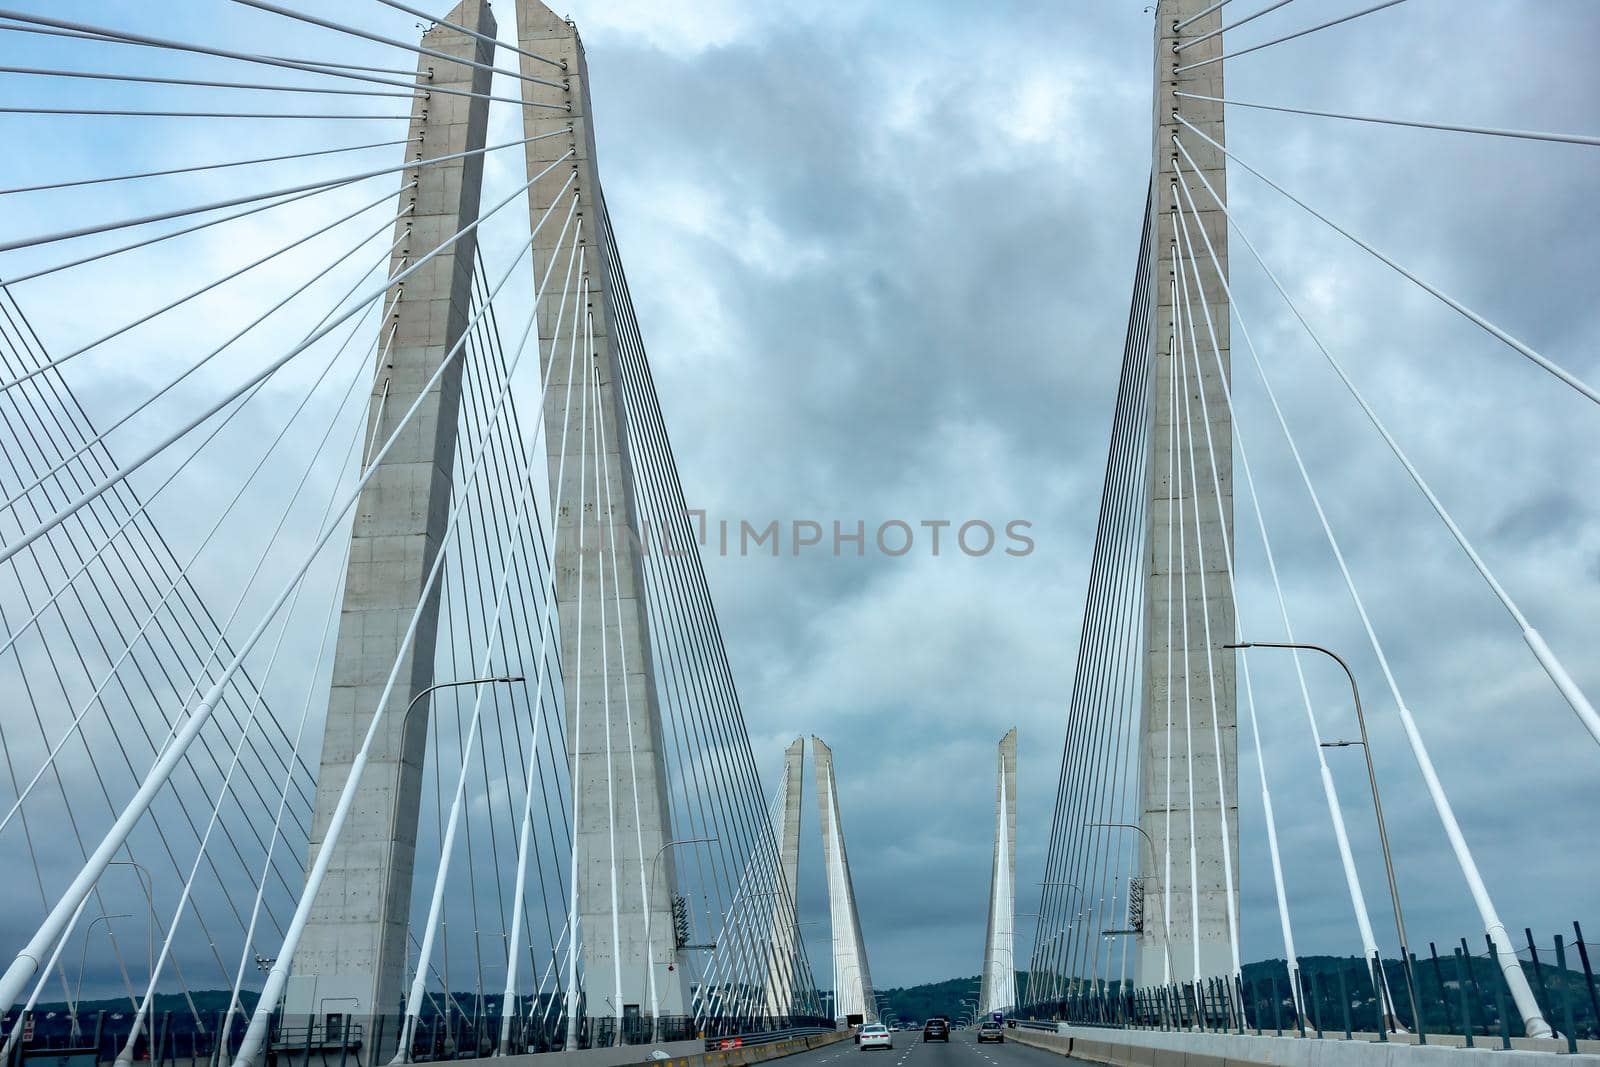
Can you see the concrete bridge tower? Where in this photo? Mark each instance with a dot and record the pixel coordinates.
(352, 957)
(852, 982)
(626, 873)
(1185, 920)
(999, 989)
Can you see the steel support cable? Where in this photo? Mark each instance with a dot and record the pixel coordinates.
(1547, 658)
(640, 367)
(160, 237)
(149, 535)
(72, 818)
(312, 688)
(27, 959)
(559, 64)
(1192, 276)
(93, 444)
(1183, 306)
(1220, 30)
(672, 636)
(493, 362)
(670, 639)
(488, 439)
(48, 364)
(83, 711)
(128, 113)
(38, 878)
(126, 37)
(474, 374)
(694, 743)
(1137, 665)
(1101, 603)
(1174, 531)
(1188, 704)
(251, 1049)
(235, 201)
(60, 681)
(1506, 959)
(128, 468)
(547, 604)
(446, 851)
(150, 79)
(545, 576)
(90, 704)
(574, 702)
(126, 1055)
(499, 545)
(93, 763)
(1120, 625)
(177, 581)
(645, 390)
(67, 461)
(1289, 37)
(353, 31)
(1472, 316)
(92, 617)
(1117, 626)
(591, 385)
(80, 182)
(218, 646)
(508, 444)
(670, 621)
(1358, 903)
(1107, 548)
(1120, 692)
(500, 461)
(314, 66)
(1198, 15)
(53, 964)
(1486, 131)
(486, 502)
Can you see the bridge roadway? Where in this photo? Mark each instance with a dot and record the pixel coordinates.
(910, 1050)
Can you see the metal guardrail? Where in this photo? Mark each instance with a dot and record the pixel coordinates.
(765, 1037)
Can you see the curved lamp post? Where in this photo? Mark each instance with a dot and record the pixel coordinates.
(1377, 804)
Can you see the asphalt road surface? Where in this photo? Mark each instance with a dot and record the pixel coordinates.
(910, 1050)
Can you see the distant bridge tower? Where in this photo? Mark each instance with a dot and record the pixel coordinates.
(626, 875)
(352, 957)
(783, 959)
(999, 989)
(852, 982)
(1187, 860)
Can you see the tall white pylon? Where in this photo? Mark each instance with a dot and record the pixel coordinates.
(782, 954)
(1189, 772)
(999, 989)
(852, 982)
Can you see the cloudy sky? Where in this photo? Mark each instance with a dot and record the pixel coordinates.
(882, 255)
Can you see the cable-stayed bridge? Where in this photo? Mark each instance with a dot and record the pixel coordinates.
(1140, 908)
(438, 441)
(374, 615)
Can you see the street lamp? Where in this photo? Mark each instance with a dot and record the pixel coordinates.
(1377, 804)
(1167, 948)
(77, 993)
(403, 1052)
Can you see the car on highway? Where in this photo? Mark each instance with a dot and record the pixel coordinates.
(991, 1031)
(936, 1029)
(875, 1035)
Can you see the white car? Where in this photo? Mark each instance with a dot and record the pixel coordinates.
(876, 1035)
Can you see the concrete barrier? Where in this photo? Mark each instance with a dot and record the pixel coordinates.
(682, 1054)
(1169, 1048)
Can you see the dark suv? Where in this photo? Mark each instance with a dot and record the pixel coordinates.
(936, 1029)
